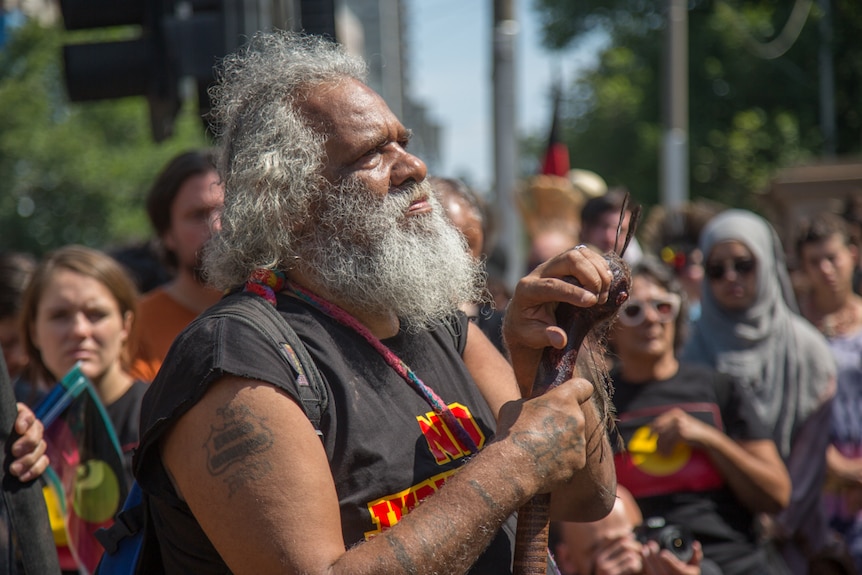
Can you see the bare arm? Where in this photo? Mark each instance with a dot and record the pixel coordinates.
(490, 370)
(245, 499)
(752, 469)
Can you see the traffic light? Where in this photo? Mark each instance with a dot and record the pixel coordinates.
(142, 65)
(167, 40)
(318, 17)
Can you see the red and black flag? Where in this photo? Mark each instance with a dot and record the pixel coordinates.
(556, 159)
(86, 479)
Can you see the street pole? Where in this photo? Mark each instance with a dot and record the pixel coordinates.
(505, 139)
(827, 81)
(674, 173)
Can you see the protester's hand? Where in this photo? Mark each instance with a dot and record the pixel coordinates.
(663, 562)
(29, 449)
(530, 323)
(548, 434)
(676, 426)
(619, 556)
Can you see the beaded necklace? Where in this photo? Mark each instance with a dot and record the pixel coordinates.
(266, 283)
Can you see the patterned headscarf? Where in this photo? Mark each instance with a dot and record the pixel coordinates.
(768, 347)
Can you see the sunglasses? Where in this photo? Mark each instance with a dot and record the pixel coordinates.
(742, 266)
(633, 312)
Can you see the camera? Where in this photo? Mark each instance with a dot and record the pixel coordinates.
(674, 538)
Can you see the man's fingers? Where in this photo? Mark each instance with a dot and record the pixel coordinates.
(25, 419)
(589, 272)
(582, 389)
(32, 464)
(31, 436)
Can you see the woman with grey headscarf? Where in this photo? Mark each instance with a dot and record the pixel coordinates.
(750, 328)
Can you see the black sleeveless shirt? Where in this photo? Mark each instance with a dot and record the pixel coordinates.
(386, 448)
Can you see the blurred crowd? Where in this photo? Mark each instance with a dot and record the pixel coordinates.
(737, 379)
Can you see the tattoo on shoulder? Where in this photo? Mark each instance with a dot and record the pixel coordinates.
(231, 447)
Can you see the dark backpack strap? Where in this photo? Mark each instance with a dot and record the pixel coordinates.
(259, 314)
(127, 523)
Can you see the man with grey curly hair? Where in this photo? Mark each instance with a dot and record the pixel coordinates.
(426, 447)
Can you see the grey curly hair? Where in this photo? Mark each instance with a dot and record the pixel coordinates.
(270, 157)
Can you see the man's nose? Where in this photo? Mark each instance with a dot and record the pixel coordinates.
(407, 167)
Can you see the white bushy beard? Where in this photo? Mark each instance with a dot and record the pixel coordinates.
(373, 258)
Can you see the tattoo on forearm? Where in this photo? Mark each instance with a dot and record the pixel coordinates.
(242, 436)
(402, 556)
(489, 501)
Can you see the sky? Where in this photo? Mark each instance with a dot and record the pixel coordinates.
(450, 63)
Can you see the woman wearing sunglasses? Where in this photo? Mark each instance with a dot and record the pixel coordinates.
(749, 328)
(695, 452)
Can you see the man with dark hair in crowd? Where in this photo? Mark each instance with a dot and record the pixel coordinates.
(853, 216)
(828, 256)
(183, 206)
(600, 223)
(425, 448)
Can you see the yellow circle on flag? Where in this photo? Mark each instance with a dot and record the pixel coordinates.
(97, 491)
(643, 448)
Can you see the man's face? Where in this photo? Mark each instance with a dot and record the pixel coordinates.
(379, 241)
(603, 234)
(365, 141)
(604, 546)
(194, 217)
(829, 265)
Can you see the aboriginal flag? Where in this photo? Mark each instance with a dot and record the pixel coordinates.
(86, 484)
(646, 472)
(556, 159)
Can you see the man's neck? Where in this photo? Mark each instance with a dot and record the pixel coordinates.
(834, 314)
(825, 302)
(639, 369)
(381, 326)
(189, 293)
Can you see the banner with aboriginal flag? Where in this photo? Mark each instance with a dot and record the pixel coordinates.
(85, 481)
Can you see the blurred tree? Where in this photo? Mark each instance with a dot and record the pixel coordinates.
(73, 173)
(748, 115)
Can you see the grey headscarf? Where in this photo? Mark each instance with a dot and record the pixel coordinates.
(772, 350)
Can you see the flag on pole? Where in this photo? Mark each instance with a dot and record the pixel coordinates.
(86, 473)
(556, 159)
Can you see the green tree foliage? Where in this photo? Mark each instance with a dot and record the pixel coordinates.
(748, 115)
(73, 173)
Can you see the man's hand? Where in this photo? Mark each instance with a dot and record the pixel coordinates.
(663, 562)
(619, 556)
(29, 449)
(530, 323)
(550, 431)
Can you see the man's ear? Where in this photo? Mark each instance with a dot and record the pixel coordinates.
(167, 241)
(854, 253)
